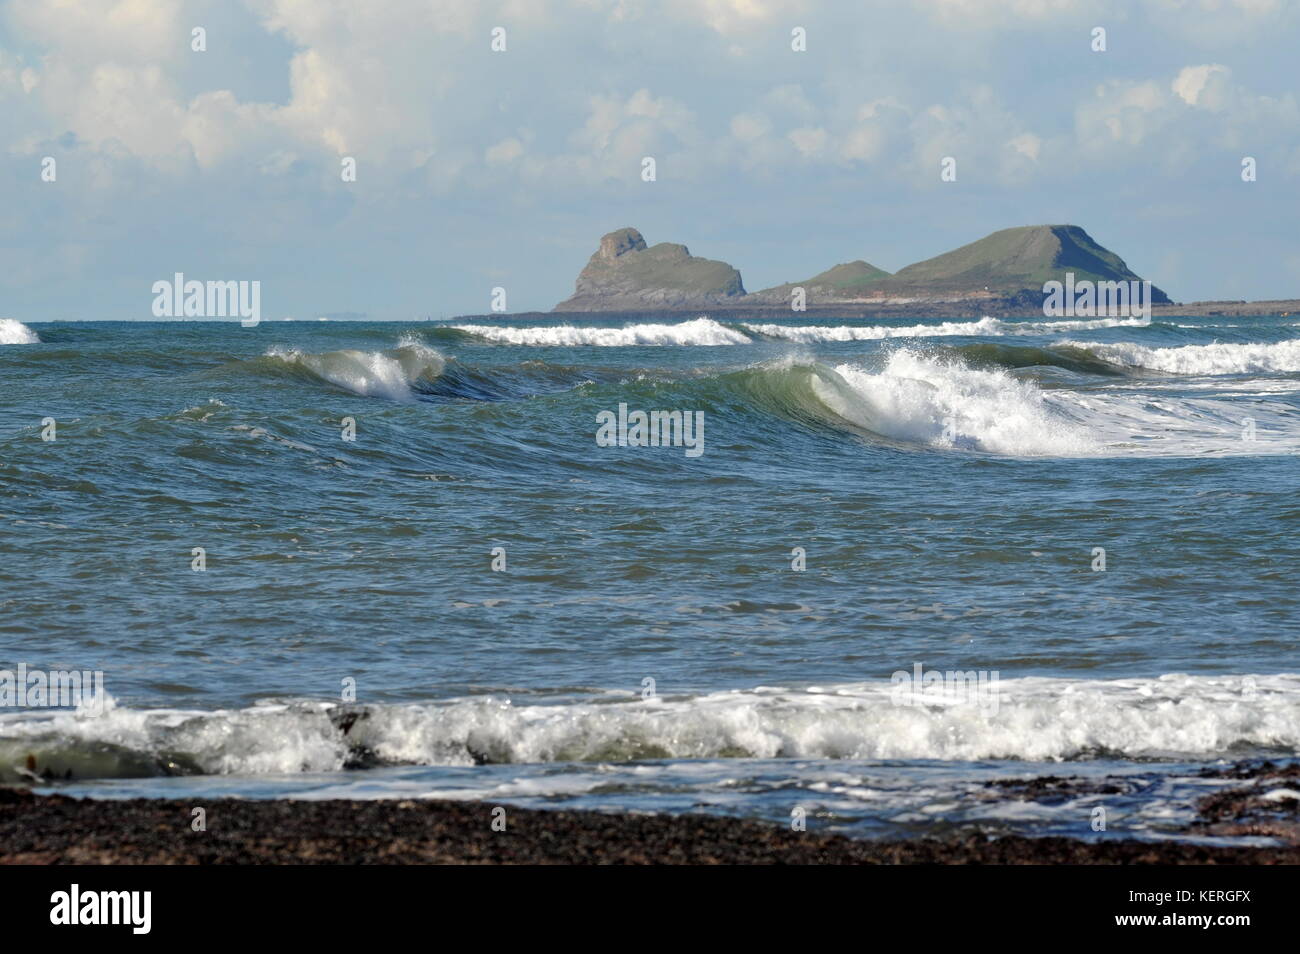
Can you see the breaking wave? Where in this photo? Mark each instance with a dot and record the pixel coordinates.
(13, 331)
(1208, 359)
(985, 326)
(986, 397)
(392, 374)
(940, 403)
(1173, 716)
(699, 331)
(705, 331)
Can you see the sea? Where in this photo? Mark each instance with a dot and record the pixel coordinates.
(855, 575)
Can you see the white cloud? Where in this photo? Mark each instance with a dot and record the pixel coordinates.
(127, 31)
(789, 99)
(1200, 108)
(875, 126)
(505, 151)
(748, 127)
(810, 142)
(991, 11)
(1120, 113)
(725, 16)
(1027, 144)
(1204, 86)
(620, 131)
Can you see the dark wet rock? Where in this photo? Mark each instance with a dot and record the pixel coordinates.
(56, 829)
(1050, 788)
(1269, 806)
(1254, 770)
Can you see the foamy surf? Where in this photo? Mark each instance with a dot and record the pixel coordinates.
(391, 374)
(698, 331)
(942, 403)
(929, 401)
(984, 327)
(1209, 359)
(14, 332)
(705, 331)
(1036, 719)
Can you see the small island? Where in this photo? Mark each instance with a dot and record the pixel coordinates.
(1002, 275)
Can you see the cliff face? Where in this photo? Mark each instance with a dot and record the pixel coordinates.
(627, 275)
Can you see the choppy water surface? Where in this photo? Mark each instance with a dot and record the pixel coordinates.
(949, 483)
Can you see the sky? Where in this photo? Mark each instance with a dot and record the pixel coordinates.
(479, 168)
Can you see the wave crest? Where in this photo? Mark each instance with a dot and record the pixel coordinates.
(924, 400)
(1209, 359)
(1034, 719)
(986, 326)
(391, 374)
(13, 331)
(698, 331)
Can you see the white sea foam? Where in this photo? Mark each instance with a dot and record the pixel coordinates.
(1131, 420)
(1210, 359)
(944, 403)
(706, 331)
(1035, 719)
(13, 331)
(389, 374)
(941, 403)
(698, 331)
(986, 326)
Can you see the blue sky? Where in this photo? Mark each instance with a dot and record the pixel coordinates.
(478, 169)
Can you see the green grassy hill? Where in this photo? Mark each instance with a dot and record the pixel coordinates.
(1013, 261)
(846, 281)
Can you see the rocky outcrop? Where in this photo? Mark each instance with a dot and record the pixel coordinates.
(627, 275)
(1002, 273)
